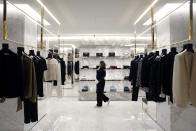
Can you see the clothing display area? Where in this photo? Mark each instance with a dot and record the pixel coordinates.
(165, 76)
(120, 65)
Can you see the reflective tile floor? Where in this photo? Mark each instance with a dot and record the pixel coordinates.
(69, 114)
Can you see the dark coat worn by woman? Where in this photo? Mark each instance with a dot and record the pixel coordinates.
(101, 78)
(101, 73)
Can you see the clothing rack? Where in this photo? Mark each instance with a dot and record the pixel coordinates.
(22, 44)
(170, 45)
(177, 43)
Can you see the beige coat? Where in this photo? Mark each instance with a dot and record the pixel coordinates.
(184, 69)
(53, 72)
(193, 83)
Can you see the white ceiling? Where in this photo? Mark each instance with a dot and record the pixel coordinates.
(92, 16)
(79, 17)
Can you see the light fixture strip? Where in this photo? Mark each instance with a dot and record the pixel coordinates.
(30, 17)
(145, 12)
(48, 11)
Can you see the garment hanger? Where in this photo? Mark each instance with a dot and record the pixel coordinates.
(31, 53)
(5, 46)
(5, 49)
(164, 52)
(184, 47)
(189, 47)
(174, 50)
(20, 50)
(38, 53)
(157, 53)
(50, 56)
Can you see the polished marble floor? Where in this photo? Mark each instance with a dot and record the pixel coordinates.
(69, 114)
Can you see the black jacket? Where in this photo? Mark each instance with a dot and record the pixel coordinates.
(168, 74)
(101, 73)
(10, 75)
(77, 66)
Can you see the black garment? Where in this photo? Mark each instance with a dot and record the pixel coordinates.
(69, 68)
(41, 67)
(101, 73)
(77, 66)
(133, 78)
(30, 108)
(139, 73)
(63, 71)
(155, 79)
(30, 112)
(145, 71)
(10, 75)
(168, 75)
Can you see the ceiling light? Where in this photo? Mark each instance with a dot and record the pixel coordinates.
(27, 9)
(45, 8)
(155, 1)
(168, 8)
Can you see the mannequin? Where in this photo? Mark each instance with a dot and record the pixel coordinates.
(20, 50)
(141, 56)
(164, 52)
(38, 53)
(31, 53)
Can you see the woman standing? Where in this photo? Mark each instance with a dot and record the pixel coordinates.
(101, 73)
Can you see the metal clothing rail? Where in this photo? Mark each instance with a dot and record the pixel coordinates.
(27, 45)
(174, 44)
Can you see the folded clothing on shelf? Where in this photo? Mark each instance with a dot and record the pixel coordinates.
(85, 89)
(113, 67)
(86, 54)
(126, 78)
(112, 89)
(111, 54)
(126, 89)
(99, 54)
(126, 67)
